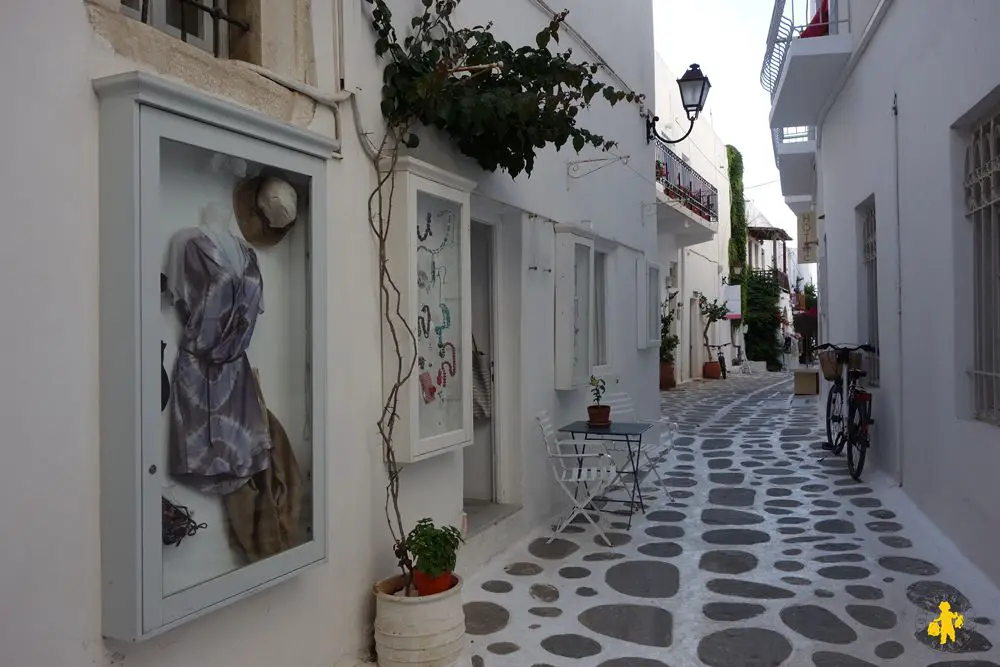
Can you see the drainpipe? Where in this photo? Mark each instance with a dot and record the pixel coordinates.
(899, 289)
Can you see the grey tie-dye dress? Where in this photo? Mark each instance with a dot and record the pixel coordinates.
(218, 432)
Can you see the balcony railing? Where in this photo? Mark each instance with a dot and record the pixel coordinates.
(776, 275)
(685, 185)
(781, 136)
(791, 20)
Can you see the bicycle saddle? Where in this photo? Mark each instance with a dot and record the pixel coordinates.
(857, 373)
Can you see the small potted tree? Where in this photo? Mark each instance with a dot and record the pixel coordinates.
(599, 415)
(435, 552)
(711, 312)
(668, 344)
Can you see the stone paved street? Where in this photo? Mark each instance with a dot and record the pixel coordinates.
(766, 556)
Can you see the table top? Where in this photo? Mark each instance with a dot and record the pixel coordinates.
(616, 428)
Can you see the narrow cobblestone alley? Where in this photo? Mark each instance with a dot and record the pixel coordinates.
(766, 556)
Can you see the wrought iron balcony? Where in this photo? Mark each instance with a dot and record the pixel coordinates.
(776, 275)
(790, 20)
(808, 46)
(685, 185)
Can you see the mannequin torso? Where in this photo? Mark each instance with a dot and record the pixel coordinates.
(216, 222)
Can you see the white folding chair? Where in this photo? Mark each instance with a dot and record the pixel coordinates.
(574, 466)
(664, 438)
(622, 409)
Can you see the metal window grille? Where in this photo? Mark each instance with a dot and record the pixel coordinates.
(982, 204)
(203, 24)
(869, 257)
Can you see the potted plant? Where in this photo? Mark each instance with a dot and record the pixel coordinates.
(668, 343)
(434, 551)
(711, 312)
(419, 617)
(599, 415)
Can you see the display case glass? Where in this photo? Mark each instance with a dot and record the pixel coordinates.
(232, 320)
(212, 364)
(440, 345)
(429, 244)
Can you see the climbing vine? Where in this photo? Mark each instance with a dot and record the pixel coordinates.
(738, 221)
(499, 104)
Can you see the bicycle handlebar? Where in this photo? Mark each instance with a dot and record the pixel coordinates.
(845, 348)
(720, 346)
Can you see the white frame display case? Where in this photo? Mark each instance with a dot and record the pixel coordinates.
(654, 273)
(574, 306)
(647, 289)
(144, 120)
(428, 253)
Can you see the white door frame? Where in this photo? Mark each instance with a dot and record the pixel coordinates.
(501, 454)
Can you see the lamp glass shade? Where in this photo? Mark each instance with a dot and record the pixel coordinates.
(694, 87)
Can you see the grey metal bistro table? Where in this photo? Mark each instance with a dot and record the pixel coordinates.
(628, 432)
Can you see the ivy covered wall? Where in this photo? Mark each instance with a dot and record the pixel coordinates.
(738, 221)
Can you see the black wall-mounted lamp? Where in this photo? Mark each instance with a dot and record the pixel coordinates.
(694, 87)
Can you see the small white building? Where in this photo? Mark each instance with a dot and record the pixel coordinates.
(553, 288)
(894, 146)
(693, 220)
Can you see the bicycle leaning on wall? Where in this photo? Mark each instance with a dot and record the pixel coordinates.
(721, 357)
(852, 432)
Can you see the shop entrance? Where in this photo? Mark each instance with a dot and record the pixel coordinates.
(481, 461)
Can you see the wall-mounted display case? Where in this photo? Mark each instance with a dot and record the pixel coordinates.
(213, 241)
(648, 302)
(653, 303)
(574, 305)
(428, 253)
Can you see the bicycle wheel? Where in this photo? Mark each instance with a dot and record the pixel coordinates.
(857, 440)
(722, 367)
(834, 415)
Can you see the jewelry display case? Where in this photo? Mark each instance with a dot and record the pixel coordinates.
(428, 253)
(213, 373)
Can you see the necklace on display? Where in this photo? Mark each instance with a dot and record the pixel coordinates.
(424, 322)
(427, 233)
(443, 374)
(443, 353)
(444, 242)
(446, 324)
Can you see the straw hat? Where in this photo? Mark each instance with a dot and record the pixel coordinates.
(266, 207)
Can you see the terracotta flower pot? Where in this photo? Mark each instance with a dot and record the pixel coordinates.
(428, 585)
(599, 415)
(667, 379)
(711, 370)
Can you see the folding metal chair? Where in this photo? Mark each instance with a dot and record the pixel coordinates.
(622, 409)
(664, 439)
(574, 466)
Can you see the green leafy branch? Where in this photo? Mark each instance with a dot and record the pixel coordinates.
(499, 104)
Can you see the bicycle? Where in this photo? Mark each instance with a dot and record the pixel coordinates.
(852, 433)
(721, 358)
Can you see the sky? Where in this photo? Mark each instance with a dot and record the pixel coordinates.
(727, 39)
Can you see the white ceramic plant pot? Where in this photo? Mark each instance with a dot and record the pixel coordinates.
(418, 631)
